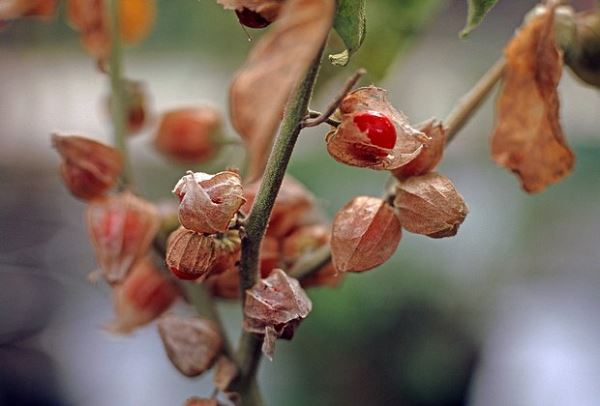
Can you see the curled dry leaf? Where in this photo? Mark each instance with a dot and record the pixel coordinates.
(190, 256)
(352, 142)
(209, 202)
(121, 228)
(189, 135)
(225, 372)
(267, 9)
(430, 205)
(274, 307)
(430, 155)
(365, 234)
(528, 138)
(89, 168)
(192, 344)
(144, 296)
(292, 203)
(275, 66)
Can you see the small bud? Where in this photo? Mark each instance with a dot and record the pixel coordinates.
(142, 297)
(89, 168)
(192, 344)
(430, 155)
(430, 205)
(190, 256)
(292, 203)
(372, 133)
(121, 228)
(189, 135)
(136, 105)
(365, 234)
(209, 202)
(274, 307)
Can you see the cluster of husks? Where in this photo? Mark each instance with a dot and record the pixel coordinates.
(372, 134)
(121, 227)
(91, 19)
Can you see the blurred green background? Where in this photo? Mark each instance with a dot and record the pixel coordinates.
(503, 314)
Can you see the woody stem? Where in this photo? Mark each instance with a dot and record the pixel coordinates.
(249, 349)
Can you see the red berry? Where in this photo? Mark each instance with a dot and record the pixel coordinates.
(378, 127)
(182, 275)
(251, 19)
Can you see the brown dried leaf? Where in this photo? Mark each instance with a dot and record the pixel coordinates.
(121, 228)
(190, 256)
(365, 234)
(144, 296)
(528, 138)
(431, 154)
(268, 9)
(209, 202)
(89, 168)
(225, 372)
(430, 205)
(192, 344)
(274, 307)
(274, 67)
(348, 145)
(292, 203)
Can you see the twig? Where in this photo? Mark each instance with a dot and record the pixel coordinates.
(330, 121)
(249, 349)
(309, 265)
(470, 102)
(336, 102)
(117, 93)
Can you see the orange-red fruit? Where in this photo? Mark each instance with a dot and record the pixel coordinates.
(121, 228)
(378, 127)
(209, 202)
(430, 155)
(89, 168)
(251, 19)
(144, 296)
(191, 343)
(430, 205)
(189, 135)
(365, 234)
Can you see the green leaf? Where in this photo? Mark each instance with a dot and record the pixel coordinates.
(477, 11)
(350, 24)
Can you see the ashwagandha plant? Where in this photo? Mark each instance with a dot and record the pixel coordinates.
(252, 235)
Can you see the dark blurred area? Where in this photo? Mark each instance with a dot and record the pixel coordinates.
(505, 313)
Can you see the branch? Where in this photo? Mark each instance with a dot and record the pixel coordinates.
(249, 350)
(117, 92)
(324, 117)
(469, 103)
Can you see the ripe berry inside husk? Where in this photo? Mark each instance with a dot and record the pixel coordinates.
(378, 127)
(251, 19)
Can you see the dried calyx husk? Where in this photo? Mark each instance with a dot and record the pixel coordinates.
(195, 256)
(144, 295)
(89, 168)
(192, 344)
(190, 134)
(365, 233)
(209, 202)
(274, 307)
(352, 144)
(430, 205)
(121, 228)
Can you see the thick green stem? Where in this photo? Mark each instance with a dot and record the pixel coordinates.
(118, 105)
(249, 350)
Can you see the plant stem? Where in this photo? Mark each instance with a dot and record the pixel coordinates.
(118, 104)
(249, 350)
(469, 103)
